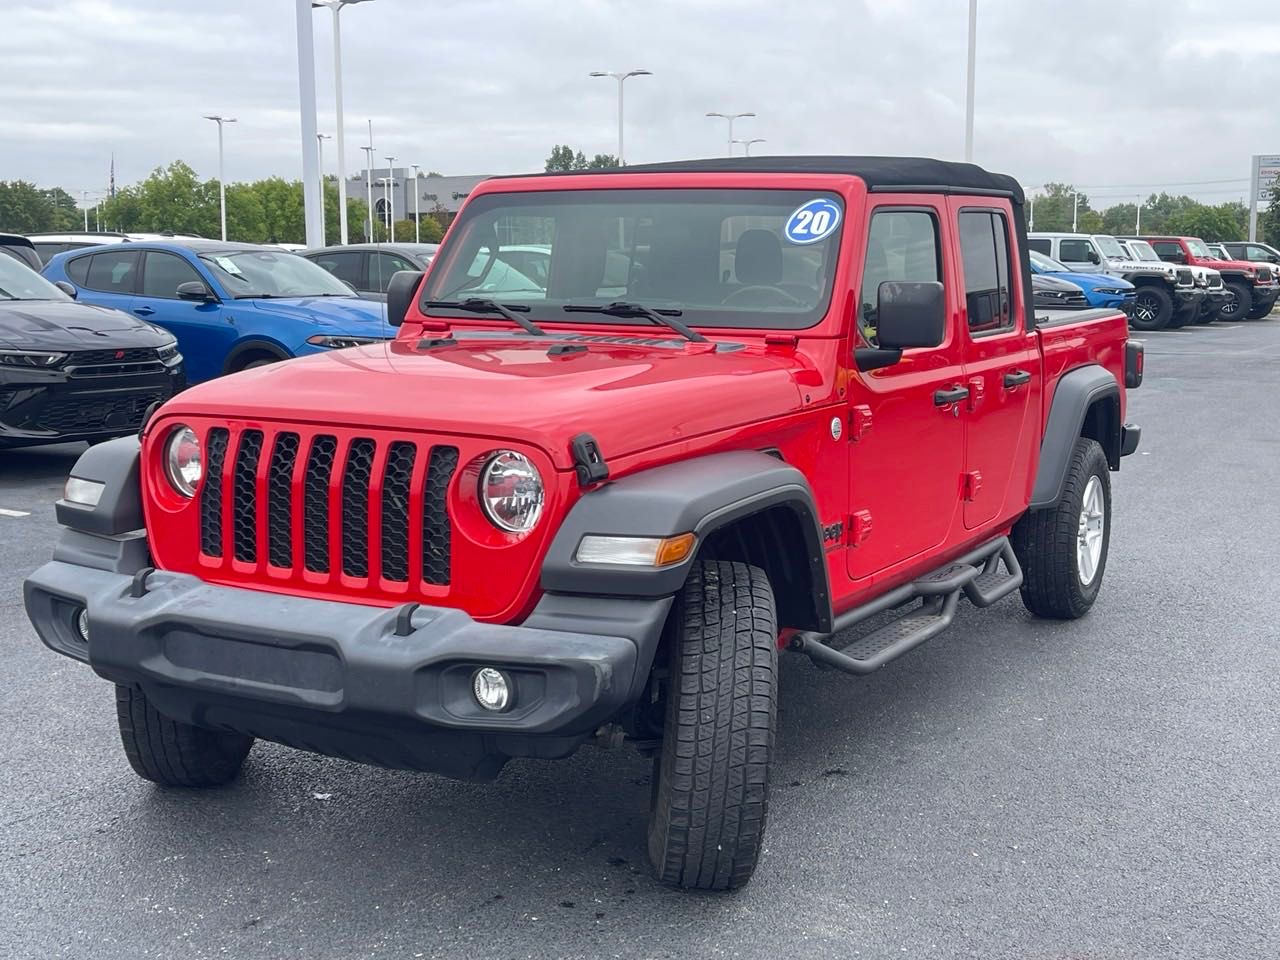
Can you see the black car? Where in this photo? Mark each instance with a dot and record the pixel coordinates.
(1052, 293)
(71, 371)
(367, 267)
(20, 249)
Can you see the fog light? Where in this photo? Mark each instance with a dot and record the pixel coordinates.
(82, 624)
(492, 689)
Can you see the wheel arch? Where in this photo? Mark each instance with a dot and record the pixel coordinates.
(253, 347)
(1086, 403)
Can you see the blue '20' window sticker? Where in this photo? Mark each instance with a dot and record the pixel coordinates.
(813, 221)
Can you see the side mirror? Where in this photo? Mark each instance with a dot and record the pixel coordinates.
(66, 288)
(400, 291)
(907, 315)
(1093, 257)
(195, 290)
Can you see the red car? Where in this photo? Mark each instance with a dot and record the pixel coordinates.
(1253, 286)
(756, 403)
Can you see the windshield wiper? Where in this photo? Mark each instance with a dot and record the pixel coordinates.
(620, 308)
(484, 305)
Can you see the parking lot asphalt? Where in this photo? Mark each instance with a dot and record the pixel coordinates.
(1017, 788)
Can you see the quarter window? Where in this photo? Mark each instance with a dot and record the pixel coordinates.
(78, 270)
(114, 272)
(902, 246)
(165, 271)
(984, 248)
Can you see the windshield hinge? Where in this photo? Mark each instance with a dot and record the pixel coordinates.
(588, 462)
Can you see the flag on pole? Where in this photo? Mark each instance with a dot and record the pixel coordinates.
(112, 189)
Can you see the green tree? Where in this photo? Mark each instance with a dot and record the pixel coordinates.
(1056, 205)
(25, 208)
(1269, 222)
(563, 158)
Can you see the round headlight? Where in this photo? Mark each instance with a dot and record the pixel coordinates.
(183, 463)
(511, 492)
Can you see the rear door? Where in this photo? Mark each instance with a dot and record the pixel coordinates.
(348, 266)
(906, 444)
(110, 278)
(384, 265)
(1001, 362)
(204, 334)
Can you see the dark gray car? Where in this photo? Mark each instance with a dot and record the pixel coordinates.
(367, 267)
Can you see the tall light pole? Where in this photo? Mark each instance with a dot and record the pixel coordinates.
(335, 7)
(417, 226)
(368, 179)
(84, 200)
(307, 114)
(746, 144)
(391, 198)
(1075, 211)
(621, 78)
(1137, 225)
(386, 204)
(969, 81)
(320, 139)
(730, 117)
(222, 183)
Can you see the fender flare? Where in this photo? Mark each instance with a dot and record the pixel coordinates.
(701, 495)
(253, 345)
(1076, 392)
(118, 511)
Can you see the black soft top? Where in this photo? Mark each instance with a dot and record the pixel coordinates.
(881, 174)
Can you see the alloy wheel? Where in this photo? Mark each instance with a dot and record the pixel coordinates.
(1093, 519)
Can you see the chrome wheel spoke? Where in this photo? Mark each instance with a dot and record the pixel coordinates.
(1090, 531)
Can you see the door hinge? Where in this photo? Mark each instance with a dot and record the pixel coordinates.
(970, 485)
(859, 527)
(977, 385)
(859, 421)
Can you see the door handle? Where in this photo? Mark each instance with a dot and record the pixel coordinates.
(1016, 378)
(143, 311)
(951, 395)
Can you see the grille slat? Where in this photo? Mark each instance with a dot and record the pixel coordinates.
(396, 478)
(211, 494)
(244, 519)
(436, 529)
(316, 503)
(284, 456)
(356, 475)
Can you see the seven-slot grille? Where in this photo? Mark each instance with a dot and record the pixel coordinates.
(1215, 281)
(1264, 274)
(1185, 277)
(264, 490)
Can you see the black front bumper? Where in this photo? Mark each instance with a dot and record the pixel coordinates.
(1266, 296)
(337, 678)
(56, 406)
(1187, 300)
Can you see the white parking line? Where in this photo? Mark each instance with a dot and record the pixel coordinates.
(14, 513)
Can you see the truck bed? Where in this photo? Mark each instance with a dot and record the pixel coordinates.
(1053, 318)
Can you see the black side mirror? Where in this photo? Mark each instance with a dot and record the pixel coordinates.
(195, 290)
(907, 315)
(66, 288)
(1093, 257)
(400, 291)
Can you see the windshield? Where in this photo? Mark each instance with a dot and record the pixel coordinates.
(264, 273)
(1143, 250)
(20, 282)
(1198, 248)
(1047, 263)
(728, 258)
(1110, 247)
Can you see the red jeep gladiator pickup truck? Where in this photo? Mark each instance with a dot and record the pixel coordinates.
(712, 410)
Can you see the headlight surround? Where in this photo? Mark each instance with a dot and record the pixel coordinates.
(511, 491)
(30, 358)
(183, 460)
(1110, 291)
(168, 351)
(341, 342)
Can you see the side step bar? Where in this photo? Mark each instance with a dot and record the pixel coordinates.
(977, 575)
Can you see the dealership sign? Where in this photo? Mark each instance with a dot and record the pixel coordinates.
(1266, 171)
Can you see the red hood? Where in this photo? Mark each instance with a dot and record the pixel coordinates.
(630, 397)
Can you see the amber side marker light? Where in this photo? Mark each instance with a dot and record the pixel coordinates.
(636, 551)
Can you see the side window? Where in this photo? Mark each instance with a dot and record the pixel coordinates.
(163, 273)
(984, 248)
(382, 266)
(344, 266)
(902, 245)
(1041, 246)
(1166, 249)
(114, 272)
(78, 270)
(1074, 251)
(1259, 253)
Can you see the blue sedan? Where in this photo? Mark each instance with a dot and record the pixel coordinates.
(1100, 289)
(231, 306)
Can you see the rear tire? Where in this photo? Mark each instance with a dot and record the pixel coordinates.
(1259, 313)
(1241, 302)
(1152, 308)
(711, 777)
(175, 754)
(1059, 578)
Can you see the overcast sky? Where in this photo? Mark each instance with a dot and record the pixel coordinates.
(1142, 94)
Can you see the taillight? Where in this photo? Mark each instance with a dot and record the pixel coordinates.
(1133, 360)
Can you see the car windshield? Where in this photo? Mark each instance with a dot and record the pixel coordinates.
(268, 273)
(1047, 263)
(1110, 247)
(1143, 250)
(20, 282)
(728, 258)
(1198, 248)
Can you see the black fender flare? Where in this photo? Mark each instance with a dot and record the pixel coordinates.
(1077, 391)
(114, 464)
(700, 496)
(253, 346)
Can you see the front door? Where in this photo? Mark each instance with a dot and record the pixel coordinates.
(1001, 362)
(204, 334)
(906, 443)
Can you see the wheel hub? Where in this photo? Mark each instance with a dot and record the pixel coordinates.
(1090, 531)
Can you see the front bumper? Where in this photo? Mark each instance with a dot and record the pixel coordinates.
(1266, 296)
(372, 684)
(1188, 299)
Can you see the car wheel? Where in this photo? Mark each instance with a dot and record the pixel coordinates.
(1240, 303)
(1259, 313)
(263, 362)
(1152, 309)
(1063, 549)
(172, 753)
(711, 776)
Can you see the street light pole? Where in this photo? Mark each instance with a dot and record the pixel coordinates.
(621, 78)
(222, 183)
(1075, 212)
(391, 198)
(730, 117)
(307, 111)
(320, 139)
(84, 199)
(746, 144)
(969, 82)
(417, 217)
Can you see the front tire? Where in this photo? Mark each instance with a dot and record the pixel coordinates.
(1063, 549)
(1241, 302)
(1152, 308)
(172, 753)
(711, 777)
